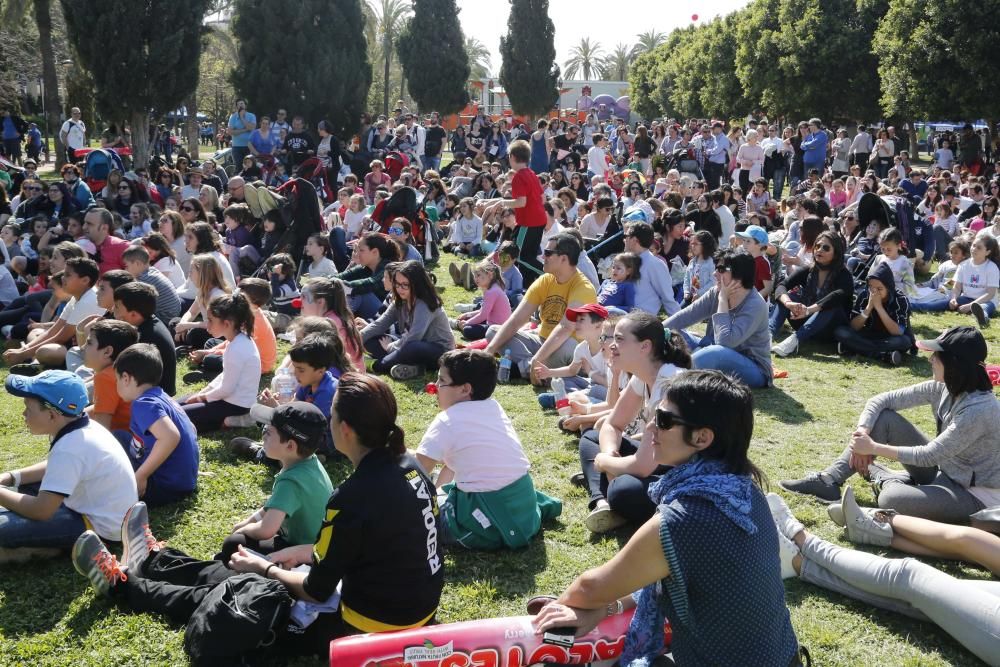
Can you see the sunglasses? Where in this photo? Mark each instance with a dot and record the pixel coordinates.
(395, 231)
(666, 420)
(549, 253)
(33, 188)
(824, 248)
(189, 209)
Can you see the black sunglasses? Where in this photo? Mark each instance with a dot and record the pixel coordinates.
(824, 248)
(189, 209)
(33, 188)
(666, 420)
(549, 253)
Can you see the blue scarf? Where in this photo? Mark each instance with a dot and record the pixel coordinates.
(700, 478)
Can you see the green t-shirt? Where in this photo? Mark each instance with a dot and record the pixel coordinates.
(301, 492)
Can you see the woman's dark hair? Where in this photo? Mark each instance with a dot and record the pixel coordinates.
(142, 362)
(198, 208)
(962, 375)
(233, 308)
(836, 242)
(158, 242)
(811, 227)
(205, 236)
(386, 250)
(274, 215)
(331, 290)
(421, 287)
(667, 347)
(710, 399)
(366, 404)
(473, 367)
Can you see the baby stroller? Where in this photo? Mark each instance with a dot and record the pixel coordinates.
(683, 160)
(395, 163)
(871, 208)
(314, 171)
(98, 165)
(403, 204)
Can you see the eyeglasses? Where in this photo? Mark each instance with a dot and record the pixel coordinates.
(441, 383)
(400, 285)
(666, 420)
(604, 338)
(395, 231)
(824, 248)
(189, 209)
(32, 188)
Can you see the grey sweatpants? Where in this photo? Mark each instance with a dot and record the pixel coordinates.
(967, 609)
(928, 493)
(524, 344)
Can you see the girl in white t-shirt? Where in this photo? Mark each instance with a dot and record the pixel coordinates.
(233, 391)
(617, 468)
(976, 283)
(354, 217)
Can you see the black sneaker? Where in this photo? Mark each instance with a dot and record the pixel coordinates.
(894, 358)
(182, 351)
(816, 484)
(195, 376)
(246, 449)
(29, 369)
(982, 319)
(578, 479)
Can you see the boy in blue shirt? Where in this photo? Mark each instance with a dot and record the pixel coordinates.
(164, 446)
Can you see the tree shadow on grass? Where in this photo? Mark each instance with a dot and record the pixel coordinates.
(780, 405)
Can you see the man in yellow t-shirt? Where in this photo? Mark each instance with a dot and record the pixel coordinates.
(563, 286)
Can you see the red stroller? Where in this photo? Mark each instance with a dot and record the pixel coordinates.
(316, 173)
(395, 163)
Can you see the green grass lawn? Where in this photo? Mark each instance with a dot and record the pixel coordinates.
(49, 616)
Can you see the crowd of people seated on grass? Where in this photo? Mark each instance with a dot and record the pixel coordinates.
(640, 277)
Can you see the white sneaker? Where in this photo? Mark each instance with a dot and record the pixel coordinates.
(465, 307)
(862, 528)
(787, 551)
(786, 522)
(241, 421)
(787, 347)
(601, 519)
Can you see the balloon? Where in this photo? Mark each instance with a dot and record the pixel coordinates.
(694, 17)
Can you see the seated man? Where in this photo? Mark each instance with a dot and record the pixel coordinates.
(85, 480)
(490, 500)
(48, 348)
(563, 286)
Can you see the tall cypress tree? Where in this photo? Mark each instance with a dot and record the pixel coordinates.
(529, 72)
(143, 55)
(432, 52)
(314, 64)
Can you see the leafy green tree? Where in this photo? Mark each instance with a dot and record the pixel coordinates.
(614, 66)
(584, 57)
(529, 73)
(479, 58)
(432, 52)
(315, 65)
(390, 18)
(133, 45)
(937, 58)
(652, 76)
(647, 41)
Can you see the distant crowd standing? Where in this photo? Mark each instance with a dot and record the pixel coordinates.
(591, 251)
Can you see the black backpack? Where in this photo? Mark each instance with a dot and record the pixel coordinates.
(242, 613)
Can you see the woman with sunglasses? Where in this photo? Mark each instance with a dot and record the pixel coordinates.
(617, 468)
(192, 211)
(707, 561)
(421, 324)
(400, 232)
(814, 300)
(123, 198)
(363, 278)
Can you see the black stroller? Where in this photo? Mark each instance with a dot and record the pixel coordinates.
(683, 160)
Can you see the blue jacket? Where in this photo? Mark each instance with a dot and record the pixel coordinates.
(814, 148)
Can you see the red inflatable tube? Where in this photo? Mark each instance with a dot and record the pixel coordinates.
(494, 642)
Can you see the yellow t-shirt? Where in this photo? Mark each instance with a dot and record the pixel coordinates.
(552, 299)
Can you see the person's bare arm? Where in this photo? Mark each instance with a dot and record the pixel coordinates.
(518, 319)
(36, 508)
(30, 475)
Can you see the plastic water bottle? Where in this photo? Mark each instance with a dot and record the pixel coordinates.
(283, 386)
(562, 400)
(503, 372)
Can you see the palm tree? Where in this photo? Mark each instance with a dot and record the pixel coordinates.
(390, 16)
(584, 57)
(647, 41)
(614, 66)
(479, 58)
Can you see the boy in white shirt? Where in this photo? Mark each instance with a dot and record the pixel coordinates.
(489, 500)
(588, 357)
(597, 164)
(85, 480)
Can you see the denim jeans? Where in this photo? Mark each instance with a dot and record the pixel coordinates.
(941, 305)
(338, 244)
(238, 153)
(364, 306)
(706, 354)
(58, 532)
(626, 494)
(870, 347)
(431, 162)
(818, 325)
(779, 183)
(415, 352)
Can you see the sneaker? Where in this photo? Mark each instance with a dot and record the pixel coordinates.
(844, 351)
(982, 319)
(29, 369)
(467, 280)
(245, 448)
(862, 528)
(787, 551)
(578, 479)
(894, 358)
(465, 307)
(537, 603)
(405, 371)
(93, 560)
(455, 274)
(137, 539)
(815, 484)
(182, 351)
(454, 324)
(241, 421)
(195, 376)
(786, 522)
(547, 400)
(601, 519)
(879, 475)
(836, 513)
(787, 347)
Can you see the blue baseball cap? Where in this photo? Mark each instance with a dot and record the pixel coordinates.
(755, 232)
(63, 390)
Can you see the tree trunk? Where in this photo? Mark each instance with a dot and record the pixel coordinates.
(385, 80)
(43, 19)
(140, 139)
(402, 85)
(193, 128)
